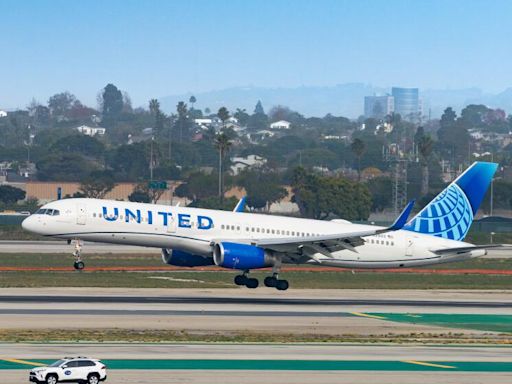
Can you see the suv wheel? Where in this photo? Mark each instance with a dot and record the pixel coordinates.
(51, 379)
(93, 378)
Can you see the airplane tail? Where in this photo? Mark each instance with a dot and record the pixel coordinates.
(451, 213)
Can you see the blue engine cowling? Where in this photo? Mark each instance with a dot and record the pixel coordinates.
(184, 259)
(241, 256)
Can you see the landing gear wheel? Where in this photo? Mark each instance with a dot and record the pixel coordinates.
(79, 265)
(270, 281)
(282, 285)
(252, 283)
(240, 279)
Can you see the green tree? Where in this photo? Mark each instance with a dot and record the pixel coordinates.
(223, 114)
(215, 203)
(258, 109)
(78, 143)
(197, 186)
(320, 197)
(192, 101)
(242, 116)
(97, 184)
(10, 194)
(358, 147)
(381, 191)
(262, 188)
(182, 111)
(64, 167)
(223, 144)
(139, 195)
(61, 103)
(159, 117)
(425, 146)
(112, 104)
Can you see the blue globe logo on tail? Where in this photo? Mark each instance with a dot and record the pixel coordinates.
(451, 213)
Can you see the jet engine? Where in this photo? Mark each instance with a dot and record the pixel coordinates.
(241, 256)
(184, 259)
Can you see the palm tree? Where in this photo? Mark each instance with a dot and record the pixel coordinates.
(358, 147)
(223, 114)
(182, 110)
(223, 144)
(192, 101)
(425, 146)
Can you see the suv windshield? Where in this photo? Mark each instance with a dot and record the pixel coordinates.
(57, 363)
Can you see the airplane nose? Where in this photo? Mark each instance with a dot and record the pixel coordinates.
(28, 224)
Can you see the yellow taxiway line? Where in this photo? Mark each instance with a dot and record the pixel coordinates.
(24, 362)
(428, 364)
(366, 315)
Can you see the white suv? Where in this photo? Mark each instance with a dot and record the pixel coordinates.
(70, 370)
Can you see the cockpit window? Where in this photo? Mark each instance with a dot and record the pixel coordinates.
(50, 212)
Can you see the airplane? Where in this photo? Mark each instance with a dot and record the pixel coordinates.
(192, 237)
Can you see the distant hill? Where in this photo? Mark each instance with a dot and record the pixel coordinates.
(343, 99)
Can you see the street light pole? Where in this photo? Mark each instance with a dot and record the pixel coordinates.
(492, 188)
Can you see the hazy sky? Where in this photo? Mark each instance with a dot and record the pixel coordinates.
(158, 48)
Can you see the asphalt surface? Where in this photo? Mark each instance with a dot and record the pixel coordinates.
(304, 363)
(248, 300)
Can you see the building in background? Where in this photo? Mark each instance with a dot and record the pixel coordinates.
(407, 103)
(378, 107)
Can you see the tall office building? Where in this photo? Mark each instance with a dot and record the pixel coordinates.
(407, 103)
(378, 106)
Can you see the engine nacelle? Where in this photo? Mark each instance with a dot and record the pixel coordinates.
(184, 259)
(241, 256)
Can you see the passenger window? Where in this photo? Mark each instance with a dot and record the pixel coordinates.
(100, 215)
(85, 363)
(237, 228)
(273, 231)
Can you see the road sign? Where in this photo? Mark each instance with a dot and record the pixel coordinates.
(157, 185)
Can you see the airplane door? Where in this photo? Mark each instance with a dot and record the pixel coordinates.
(81, 214)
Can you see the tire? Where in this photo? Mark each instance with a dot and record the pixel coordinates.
(79, 265)
(282, 285)
(252, 283)
(93, 378)
(51, 379)
(240, 280)
(270, 281)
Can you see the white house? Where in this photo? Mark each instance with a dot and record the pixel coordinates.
(281, 124)
(91, 131)
(241, 163)
(3, 113)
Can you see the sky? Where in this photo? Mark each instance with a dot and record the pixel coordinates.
(158, 48)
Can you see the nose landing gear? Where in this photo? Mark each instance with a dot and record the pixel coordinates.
(77, 253)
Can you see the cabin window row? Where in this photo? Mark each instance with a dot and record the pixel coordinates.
(268, 231)
(382, 242)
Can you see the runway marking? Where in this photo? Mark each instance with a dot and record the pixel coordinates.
(366, 315)
(428, 364)
(17, 361)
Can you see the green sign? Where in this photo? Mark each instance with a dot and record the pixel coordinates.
(157, 185)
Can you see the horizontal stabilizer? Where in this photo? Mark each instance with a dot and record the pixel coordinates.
(459, 250)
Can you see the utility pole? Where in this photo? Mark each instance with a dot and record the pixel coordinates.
(151, 160)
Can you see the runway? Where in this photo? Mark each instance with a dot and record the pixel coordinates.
(481, 316)
(253, 363)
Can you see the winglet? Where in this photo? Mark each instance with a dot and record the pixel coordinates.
(240, 206)
(402, 219)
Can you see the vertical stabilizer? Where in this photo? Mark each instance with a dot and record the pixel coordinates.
(451, 213)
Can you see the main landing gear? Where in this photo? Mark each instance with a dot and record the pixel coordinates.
(270, 281)
(274, 282)
(249, 282)
(77, 253)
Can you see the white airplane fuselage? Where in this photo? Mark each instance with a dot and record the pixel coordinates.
(195, 231)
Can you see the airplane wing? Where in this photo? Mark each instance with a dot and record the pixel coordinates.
(326, 244)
